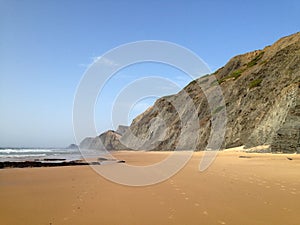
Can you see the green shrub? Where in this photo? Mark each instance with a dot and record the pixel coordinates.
(215, 82)
(254, 61)
(255, 83)
(263, 62)
(236, 74)
(218, 109)
(220, 81)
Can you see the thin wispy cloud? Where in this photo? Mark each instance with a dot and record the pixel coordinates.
(83, 65)
(103, 60)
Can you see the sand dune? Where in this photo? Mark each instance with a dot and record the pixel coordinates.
(262, 189)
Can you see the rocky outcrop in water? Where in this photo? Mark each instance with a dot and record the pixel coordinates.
(72, 146)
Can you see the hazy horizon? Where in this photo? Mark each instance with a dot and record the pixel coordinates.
(46, 47)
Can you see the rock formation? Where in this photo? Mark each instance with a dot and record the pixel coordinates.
(122, 129)
(287, 137)
(261, 92)
(108, 140)
(72, 146)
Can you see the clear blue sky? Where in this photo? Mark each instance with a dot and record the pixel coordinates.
(45, 47)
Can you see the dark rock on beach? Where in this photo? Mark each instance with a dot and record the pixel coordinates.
(54, 163)
(24, 164)
(72, 146)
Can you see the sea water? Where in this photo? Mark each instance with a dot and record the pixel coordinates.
(30, 154)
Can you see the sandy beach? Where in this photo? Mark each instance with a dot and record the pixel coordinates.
(262, 189)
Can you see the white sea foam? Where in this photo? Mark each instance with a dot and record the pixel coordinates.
(13, 154)
(8, 151)
(23, 156)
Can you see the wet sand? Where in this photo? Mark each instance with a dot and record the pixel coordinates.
(263, 189)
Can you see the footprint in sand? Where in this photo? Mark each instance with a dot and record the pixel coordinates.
(170, 217)
(286, 209)
(172, 210)
(267, 203)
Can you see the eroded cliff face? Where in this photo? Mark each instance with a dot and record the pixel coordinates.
(265, 131)
(259, 90)
(108, 140)
(287, 137)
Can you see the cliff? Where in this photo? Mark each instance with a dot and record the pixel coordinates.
(108, 140)
(261, 91)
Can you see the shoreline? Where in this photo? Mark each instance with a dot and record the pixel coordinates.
(263, 189)
(61, 162)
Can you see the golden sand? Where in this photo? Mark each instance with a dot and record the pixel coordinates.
(263, 189)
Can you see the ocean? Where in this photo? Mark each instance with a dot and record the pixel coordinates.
(31, 154)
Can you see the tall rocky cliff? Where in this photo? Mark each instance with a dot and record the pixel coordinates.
(108, 140)
(261, 90)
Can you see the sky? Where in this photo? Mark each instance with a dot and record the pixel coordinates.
(47, 46)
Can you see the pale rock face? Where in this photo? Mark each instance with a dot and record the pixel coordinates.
(287, 137)
(108, 140)
(87, 143)
(259, 89)
(261, 94)
(122, 129)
